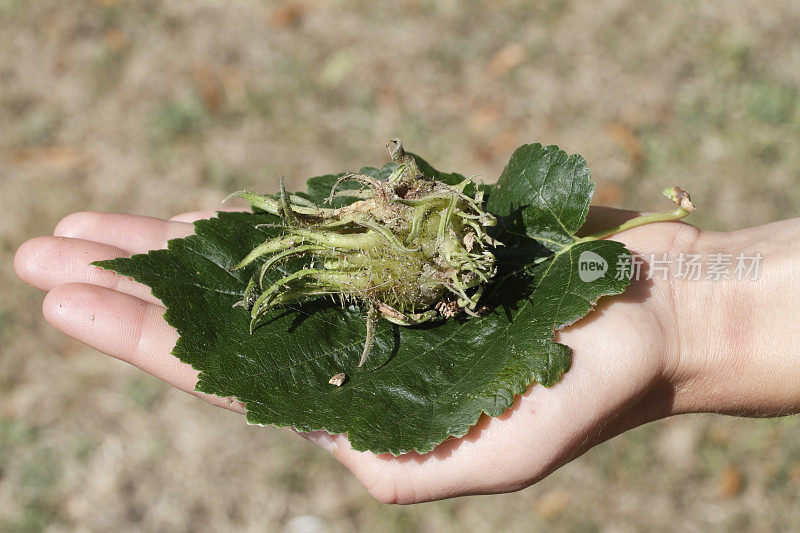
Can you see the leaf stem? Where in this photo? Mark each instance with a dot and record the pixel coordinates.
(676, 194)
(663, 216)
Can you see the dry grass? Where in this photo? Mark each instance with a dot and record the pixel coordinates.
(155, 107)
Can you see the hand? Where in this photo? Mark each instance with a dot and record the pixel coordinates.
(628, 365)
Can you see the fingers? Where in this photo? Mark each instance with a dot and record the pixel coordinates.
(119, 325)
(46, 262)
(124, 327)
(133, 233)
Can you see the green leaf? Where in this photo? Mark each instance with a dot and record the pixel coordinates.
(421, 384)
(549, 192)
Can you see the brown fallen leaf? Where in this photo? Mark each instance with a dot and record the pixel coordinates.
(794, 472)
(116, 39)
(607, 193)
(627, 139)
(506, 59)
(70, 348)
(506, 141)
(289, 14)
(208, 86)
(484, 117)
(386, 98)
(55, 157)
(553, 503)
(730, 482)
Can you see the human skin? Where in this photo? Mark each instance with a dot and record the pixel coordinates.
(667, 346)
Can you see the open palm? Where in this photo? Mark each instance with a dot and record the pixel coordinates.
(621, 375)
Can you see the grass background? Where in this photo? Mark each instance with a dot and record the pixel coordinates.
(157, 107)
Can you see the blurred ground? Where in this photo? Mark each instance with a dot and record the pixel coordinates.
(156, 107)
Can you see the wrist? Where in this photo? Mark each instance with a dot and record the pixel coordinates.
(702, 344)
(737, 340)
